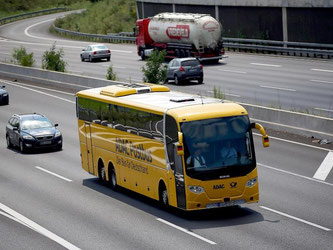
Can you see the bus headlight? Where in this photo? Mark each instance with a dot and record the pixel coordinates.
(196, 189)
(251, 182)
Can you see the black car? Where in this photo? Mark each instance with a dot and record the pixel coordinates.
(28, 131)
(4, 97)
(181, 69)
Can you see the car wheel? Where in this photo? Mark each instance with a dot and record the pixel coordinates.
(200, 80)
(177, 81)
(23, 149)
(113, 181)
(108, 58)
(9, 143)
(90, 59)
(82, 59)
(59, 147)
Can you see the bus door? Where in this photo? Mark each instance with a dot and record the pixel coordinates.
(179, 178)
(89, 151)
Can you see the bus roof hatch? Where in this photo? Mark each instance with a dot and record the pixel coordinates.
(130, 89)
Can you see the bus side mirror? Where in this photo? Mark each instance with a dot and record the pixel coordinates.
(180, 145)
(265, 139)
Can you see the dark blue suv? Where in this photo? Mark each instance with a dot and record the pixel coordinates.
(28, 131)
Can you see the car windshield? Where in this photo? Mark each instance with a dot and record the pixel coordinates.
(99, 47)
(35, 124)
(191, 63)
(218, 147)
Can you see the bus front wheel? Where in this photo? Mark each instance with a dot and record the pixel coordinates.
(164, 200)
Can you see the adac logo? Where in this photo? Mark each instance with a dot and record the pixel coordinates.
(233, 184)
(178, 32)
(220, 186)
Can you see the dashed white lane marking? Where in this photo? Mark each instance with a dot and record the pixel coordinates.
(325, 167)
(54, 174)
(233, 71)
(323, 70)
(266, 65)
(210, 91)
(328, 110)
(186, 231)
(10, 213)
(321, 81)
(277, 88)
(295, 218)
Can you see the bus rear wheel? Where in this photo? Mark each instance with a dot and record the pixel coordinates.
(101, 173)
(113, 178)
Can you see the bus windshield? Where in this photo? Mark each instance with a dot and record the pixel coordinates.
(218, 148)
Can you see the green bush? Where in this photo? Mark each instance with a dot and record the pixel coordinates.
(21, 57)
(110, 75)
(52, 60)
(155, 70)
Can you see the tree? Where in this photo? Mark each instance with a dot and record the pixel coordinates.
(52, 60)
(155, 70)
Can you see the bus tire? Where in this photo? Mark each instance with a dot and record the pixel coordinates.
(113, 178)
(101, 172)
(164, 200)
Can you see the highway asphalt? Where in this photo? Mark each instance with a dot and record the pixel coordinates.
(299, 84)
(48, 202)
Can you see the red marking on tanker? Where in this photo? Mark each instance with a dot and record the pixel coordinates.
(178, 32)
(210, 26)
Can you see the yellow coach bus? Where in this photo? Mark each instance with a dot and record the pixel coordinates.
(186, 151)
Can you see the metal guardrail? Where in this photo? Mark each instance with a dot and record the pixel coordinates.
(11, 18)
(118, 38)
(290, 48)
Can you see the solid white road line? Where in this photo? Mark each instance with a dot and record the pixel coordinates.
(29, 223)
(266, 65)
(37, 91)
(325, 167)
(295, 218)
(54, 174)
(321, 81)
(294, 142)
(232, 71)
(277, 88)
(323, 70)
(186, 231)
(298, 175)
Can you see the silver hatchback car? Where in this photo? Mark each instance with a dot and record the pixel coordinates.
(95, 52)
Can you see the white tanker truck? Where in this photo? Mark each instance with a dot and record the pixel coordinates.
(181, 35)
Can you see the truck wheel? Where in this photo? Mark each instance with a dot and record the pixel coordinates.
(177, 52)
(142, 53)
(188, 53)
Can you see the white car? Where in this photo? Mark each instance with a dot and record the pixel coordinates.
(95, 52)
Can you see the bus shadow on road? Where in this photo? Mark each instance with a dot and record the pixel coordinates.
(211, 218)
